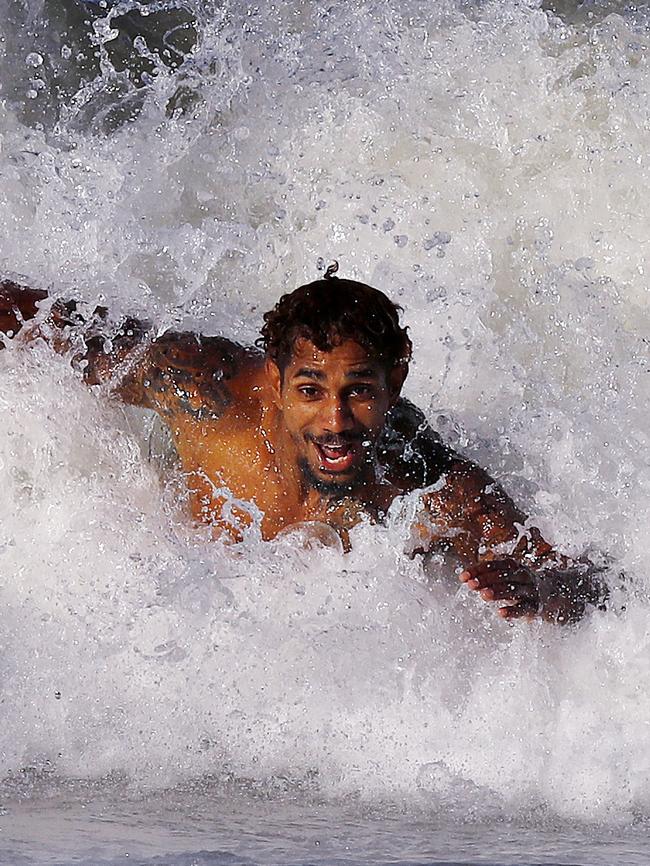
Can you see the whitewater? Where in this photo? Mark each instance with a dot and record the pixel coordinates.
(170, 699)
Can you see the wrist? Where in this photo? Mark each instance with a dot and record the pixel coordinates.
(565, 593)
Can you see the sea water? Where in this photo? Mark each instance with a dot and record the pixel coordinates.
(170, 699)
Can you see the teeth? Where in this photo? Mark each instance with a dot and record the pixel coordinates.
(335, 454)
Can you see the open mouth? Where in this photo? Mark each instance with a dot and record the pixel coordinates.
(336, 458)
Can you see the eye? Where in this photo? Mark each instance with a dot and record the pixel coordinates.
(365, 392)
(309, 391)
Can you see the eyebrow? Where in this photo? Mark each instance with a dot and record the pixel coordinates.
(309, 373)
(366, 373)
(318, 375)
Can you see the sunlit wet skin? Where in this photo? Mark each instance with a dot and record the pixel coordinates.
(328, 410)
(298, 445)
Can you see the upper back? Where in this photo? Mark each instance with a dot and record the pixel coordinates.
(187, 376)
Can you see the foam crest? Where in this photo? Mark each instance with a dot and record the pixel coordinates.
(484, 164)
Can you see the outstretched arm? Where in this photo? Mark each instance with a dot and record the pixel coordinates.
(173, 372)
(65, 329)
(504, 559)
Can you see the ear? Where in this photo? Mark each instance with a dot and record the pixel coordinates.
(396, 379)
(274, 377)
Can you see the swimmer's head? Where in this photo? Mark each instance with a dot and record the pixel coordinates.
(336, 359)
(330, 311)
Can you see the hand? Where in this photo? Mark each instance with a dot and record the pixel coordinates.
(17, 303)
(508, 581)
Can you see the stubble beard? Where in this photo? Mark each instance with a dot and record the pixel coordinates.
(330, 488)
(334, 489)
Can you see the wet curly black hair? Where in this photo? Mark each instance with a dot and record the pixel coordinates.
(329, 311)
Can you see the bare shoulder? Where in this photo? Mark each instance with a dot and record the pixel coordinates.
(188, 373)
(410, 451)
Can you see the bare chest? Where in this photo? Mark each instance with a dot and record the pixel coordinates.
(236, 478)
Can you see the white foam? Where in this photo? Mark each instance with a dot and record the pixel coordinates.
(485, 166)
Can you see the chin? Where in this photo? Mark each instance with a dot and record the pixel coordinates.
(328, 482)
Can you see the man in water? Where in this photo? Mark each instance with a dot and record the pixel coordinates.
(312, 430)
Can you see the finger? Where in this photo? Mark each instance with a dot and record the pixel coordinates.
(510, 592)
(495, 567)
(518, 578)
(522, 610)
(489, 566)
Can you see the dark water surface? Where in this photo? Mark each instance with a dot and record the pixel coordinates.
(207, 830)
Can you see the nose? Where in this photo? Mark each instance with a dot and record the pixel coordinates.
(336, 416)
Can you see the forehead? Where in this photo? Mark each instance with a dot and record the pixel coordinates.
(348, 355)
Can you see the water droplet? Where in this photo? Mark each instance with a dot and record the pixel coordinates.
(438, 239)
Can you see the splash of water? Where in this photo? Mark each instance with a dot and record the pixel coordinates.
(483, 163)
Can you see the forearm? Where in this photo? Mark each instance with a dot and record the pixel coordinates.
(505, 559)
